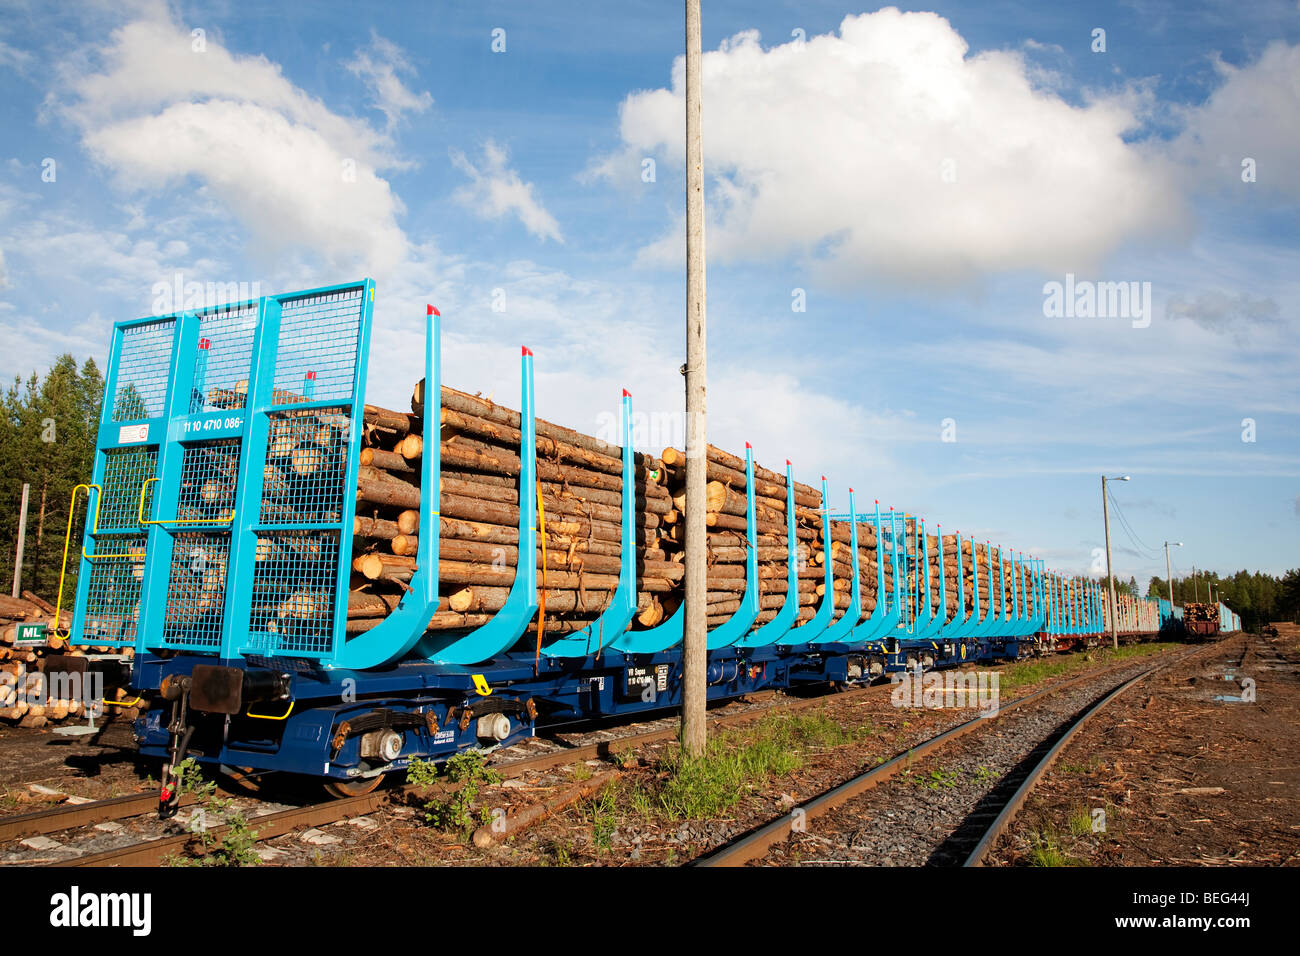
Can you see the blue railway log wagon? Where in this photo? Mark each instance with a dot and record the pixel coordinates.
(231, 587)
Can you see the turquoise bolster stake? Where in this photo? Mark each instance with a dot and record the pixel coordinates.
(840, 629)
(403, 629)
(669, 633)
(507, 625)
(960, 625)
(883, 617)
(944, 626)
(809, 630)
(985, 626)
(775, 629)
(1019, 610)
(603, 631)
(933, 617)
(735, 627)
(896, 617)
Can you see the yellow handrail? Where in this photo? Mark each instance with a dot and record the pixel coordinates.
(228, 519)
(67, 540)
(284, 716)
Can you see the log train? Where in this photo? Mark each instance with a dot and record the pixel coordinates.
(262, 542)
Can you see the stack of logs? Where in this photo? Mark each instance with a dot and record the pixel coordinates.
(727, 543)
(23, 697)
(578, 557)
(1015, 594)
(580, 481)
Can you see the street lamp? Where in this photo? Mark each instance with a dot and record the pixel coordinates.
(1169, 575)
(1105, 511)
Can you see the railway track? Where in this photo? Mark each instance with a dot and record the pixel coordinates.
(539, 754)
(756, 844)
(1001, 824)
(560, 750)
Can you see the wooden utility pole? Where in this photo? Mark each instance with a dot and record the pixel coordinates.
(1169, 574)
(695, 639)
(22, 534)
(1110, 574)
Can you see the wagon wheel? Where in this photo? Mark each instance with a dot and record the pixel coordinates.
(353, 788)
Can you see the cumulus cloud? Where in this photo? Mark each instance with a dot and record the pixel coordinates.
(294, 173)
(886, 150)
(496, 190)
(1251, 115)
(378, 65)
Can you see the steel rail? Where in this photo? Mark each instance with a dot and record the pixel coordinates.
(756, 843)
(1003, 821)
(275, 824)
(1017, 799)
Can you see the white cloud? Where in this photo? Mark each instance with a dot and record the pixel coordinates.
(836, 149)
(295, 174)
(1251, 115)
(496, 190)
(4, 272)
(20, 60)
(378, 66)
(1218, 311)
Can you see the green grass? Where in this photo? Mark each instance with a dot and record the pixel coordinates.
(1031, 672)
(602, 814)
(1092, 766)
(1080, 822)
(740, 761)
(736, 763)
(1045, 850)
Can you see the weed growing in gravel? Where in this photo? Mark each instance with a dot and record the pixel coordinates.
(235, 848)
(554, 853)
(640, 801)
(736, 763)
(985, 775)
(937, 779)
(466, 769)
(602, 813)
(627, 760)
(1045, 850)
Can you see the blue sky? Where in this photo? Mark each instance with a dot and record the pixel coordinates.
(913, 178)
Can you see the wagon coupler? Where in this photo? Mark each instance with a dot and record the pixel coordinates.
(181, 730)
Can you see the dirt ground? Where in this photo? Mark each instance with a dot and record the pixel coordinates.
(1154, 764)
(1199, 766)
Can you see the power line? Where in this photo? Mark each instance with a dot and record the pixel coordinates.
(1150, 552)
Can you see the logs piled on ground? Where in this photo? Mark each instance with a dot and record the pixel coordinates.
(24, 697)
